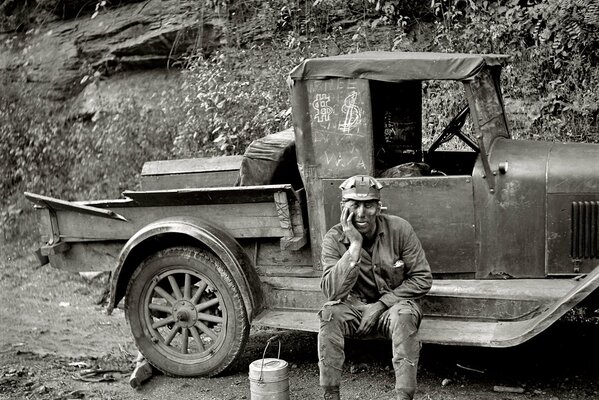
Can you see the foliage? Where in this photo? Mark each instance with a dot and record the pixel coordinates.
(231, 99)
(18, 15)
(554, 58)
(76, 158)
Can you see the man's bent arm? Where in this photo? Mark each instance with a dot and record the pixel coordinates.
(340, 270)
(419, 278)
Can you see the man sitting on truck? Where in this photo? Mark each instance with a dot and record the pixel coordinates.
(374, 272)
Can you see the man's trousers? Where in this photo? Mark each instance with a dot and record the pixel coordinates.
(399, 323)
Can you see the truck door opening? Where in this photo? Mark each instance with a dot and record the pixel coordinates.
(421, 129)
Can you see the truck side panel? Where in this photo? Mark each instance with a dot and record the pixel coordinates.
(88, 256)
(241, 220)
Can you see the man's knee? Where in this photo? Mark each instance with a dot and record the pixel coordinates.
(337, 318)
(333, 313)
(404, 322)
(405, 315)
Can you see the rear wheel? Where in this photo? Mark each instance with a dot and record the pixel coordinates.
(186, 312)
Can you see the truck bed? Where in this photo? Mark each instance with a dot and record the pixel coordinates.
(269, 211)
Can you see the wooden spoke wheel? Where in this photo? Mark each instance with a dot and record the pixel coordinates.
(186, 312)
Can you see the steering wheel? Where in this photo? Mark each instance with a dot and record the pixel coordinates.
(454, 128)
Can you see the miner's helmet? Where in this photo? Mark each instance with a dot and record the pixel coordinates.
(361, 188)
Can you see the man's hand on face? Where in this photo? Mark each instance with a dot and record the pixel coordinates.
(370, 316)
(349, 229)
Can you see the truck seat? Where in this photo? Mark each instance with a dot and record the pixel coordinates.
(407, 170)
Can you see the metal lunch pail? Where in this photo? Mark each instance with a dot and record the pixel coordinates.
(269, 377)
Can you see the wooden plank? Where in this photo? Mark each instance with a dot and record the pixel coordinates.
(270, 254)
(465, 333)
(282, 206)
(521, 289)
(308, 296)
(295, 300)
(57, 204)
(91, 256)
(508, 289)
(190, 165)
(191, 180)
(222, 195)
(58, 247)
(288, 271)
(482, 300)
(295, 320)
(241, 220)
(342, 138)
(431, 330)
(302, 284)
(300, 232)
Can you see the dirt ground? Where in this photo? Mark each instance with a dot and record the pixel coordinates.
(56, 343)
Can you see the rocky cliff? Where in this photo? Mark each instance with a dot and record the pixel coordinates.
(82, 45)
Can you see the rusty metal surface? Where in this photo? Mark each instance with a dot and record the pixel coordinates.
(441, 210)
(511, 219)
(573, 168)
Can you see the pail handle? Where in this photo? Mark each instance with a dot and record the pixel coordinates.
(264, 353)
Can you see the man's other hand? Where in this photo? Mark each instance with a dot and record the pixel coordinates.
(370, 316)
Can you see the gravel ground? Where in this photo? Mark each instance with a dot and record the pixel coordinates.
(53, 333)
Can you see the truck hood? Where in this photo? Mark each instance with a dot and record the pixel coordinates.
(573, 168)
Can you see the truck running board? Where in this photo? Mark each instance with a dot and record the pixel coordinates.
(548, 300)
(431, 330)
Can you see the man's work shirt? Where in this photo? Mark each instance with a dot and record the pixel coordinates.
(395, 269)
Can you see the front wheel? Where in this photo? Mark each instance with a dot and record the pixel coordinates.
(186, 313)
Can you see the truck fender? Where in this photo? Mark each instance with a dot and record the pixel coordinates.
(512, 333)
(192, 231)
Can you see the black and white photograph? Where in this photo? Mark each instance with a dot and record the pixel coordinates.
(299, 199)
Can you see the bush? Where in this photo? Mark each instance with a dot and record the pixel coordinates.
(232, 98)
(555, 62)
(45, 153)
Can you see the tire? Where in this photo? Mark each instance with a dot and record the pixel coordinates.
(186, 312)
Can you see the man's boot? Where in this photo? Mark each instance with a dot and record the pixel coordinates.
(331, 393)
(403, 395)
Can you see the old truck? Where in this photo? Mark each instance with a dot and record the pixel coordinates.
(208, 247)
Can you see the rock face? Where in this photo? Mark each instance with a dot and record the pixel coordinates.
(134, 36)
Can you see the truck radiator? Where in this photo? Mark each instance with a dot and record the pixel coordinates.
(585, 229)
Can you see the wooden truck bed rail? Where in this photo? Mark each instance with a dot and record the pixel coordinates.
(246, 212)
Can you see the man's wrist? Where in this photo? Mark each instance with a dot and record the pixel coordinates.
(354, 253)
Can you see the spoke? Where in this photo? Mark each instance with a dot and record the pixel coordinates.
(175, 287)
(165, 295)
(210, 318)
(187, 287)
(199, 292)
(206, 330)
(160, 307)
(207, 304)
(184, 340)
(163, 322)
(196, 337)
(171, 335)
